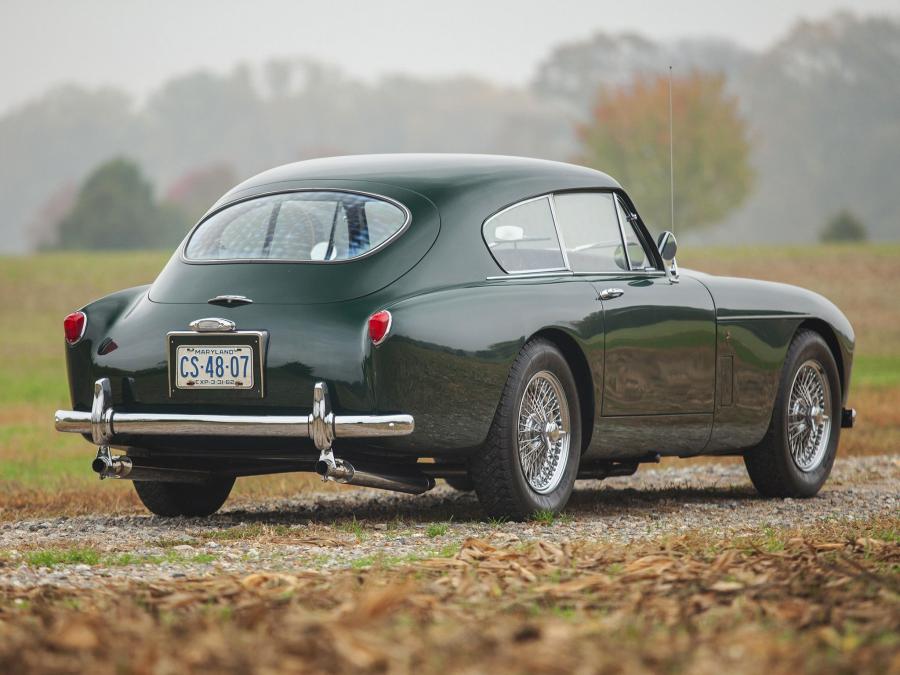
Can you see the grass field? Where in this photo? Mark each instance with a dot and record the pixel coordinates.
(40, 468)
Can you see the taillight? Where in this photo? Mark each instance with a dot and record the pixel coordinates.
(74, 326)
(379, 326)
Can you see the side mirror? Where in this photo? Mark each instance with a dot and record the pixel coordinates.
(668, 247)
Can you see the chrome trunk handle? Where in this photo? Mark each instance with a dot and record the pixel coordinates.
(230, 300)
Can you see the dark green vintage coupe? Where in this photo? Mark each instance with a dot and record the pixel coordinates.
(510, 319)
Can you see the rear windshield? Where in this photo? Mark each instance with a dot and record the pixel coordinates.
(300, 226)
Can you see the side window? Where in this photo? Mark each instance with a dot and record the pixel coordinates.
(637, 252)
(523, 238)
(590, 230)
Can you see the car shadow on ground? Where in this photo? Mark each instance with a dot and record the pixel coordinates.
(587, 502)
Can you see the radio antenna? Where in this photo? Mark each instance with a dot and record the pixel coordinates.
(671, 156)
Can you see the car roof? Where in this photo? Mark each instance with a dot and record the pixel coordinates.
(432, 175)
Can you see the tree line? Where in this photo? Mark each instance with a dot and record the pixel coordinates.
(768, 146)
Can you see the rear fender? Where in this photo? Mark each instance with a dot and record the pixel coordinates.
(101, 314)
(448, 356)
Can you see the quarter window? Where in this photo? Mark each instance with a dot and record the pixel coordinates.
(299, 226)
(589, 226)
(523, 238)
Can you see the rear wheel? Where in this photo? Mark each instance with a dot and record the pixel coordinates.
(795, 457)
(531, 456)
(185, 499)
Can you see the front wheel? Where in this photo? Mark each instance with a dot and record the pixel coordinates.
(530, 460)
(795, 457)
(184, 499)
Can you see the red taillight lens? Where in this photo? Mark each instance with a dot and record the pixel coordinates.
(74, 325)
(379, 326)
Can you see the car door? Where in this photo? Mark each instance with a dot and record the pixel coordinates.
(659, 333)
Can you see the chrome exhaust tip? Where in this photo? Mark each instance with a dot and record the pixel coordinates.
(337, 470)
(106, 465)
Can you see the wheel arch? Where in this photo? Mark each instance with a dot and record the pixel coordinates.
(828, 334)
(581, 372)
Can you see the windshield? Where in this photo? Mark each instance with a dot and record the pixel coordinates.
(302, 226)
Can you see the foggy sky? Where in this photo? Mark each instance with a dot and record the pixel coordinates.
(137, 44)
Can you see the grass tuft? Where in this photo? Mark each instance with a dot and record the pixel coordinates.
(68, 556)
(89, 556)
(544, 517)
(353, 527)
(437, 530)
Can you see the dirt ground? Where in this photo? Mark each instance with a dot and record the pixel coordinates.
(675, 569)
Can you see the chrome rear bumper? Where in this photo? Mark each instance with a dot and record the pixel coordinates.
(322, 425)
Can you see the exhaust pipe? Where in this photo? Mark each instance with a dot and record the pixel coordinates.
(342, 471)
(107, 466)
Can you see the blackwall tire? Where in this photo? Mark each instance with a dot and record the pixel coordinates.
(795, 457)
(529, 461)
(184, 499)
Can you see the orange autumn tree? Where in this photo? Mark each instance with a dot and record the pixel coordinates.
(628, 137)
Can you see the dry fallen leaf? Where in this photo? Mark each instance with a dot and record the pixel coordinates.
(647, 567)
(829, 546)
(74, 635)
(577, 585)
(494, 609)
(726, 586)
(269, 580)
(725, 560)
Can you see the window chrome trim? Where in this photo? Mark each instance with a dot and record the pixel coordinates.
(538, 274)
(182, 248)
(512, 206)
(632, 274)
(559, 235)
(645, 239)
(547, 196)
(620, 207)
(620, 216)
(636, 274)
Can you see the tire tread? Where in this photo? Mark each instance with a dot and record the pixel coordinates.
(184, 499)
(768, 463)
(492, 469)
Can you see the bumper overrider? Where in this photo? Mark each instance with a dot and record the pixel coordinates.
(105, 425)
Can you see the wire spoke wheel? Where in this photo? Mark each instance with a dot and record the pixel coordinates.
(543, 432)
(809, 416)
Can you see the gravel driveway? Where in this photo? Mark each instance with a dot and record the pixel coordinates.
(359, 527)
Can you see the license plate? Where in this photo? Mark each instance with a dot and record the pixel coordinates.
(214, 367)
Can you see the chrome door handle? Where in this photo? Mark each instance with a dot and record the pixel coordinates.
(610, 293)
